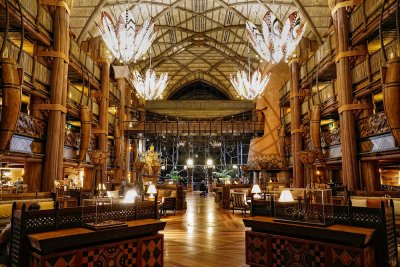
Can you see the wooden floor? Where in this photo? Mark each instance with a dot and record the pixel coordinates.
(204, 235)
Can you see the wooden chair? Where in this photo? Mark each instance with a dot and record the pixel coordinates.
(239, 203)
(168, 203)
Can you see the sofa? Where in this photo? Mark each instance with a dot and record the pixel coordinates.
(375, 202)
(6, 207)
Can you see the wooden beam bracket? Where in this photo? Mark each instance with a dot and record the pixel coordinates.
(52, 107)
(349, 107)
(350, 53)
(59, 3)
(349, 3)
(100, 95)
(298, 131)
(53, 54)
(302, 94)
(100, 60)
(99, 131)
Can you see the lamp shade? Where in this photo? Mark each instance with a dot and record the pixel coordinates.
(189, 163)
(286, 196)
(152, 189)
(209, 162)
(256, 189)
(130, 196)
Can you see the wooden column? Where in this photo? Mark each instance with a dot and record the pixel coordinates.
(33, 170)
(350, 166)
(369, 169)
(103, 116)
(89, 181)
(121, 73)
(295, 109)
(53, 165)
(32, 174)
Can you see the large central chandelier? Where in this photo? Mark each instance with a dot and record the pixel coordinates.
(150, 88)
(122, 39)
(276, 43)
(247, 86)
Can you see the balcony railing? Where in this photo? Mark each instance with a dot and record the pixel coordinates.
(196, 127)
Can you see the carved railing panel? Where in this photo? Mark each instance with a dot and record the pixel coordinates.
(92, 144)
(373, 125)
(72, 139)
(30, 126)
(330, 137)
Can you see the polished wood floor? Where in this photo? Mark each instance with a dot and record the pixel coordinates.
(204, 235)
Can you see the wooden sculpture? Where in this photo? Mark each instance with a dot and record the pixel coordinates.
(391, 96)
(281, 141)
(85, 117)
(11, 81)
(315, 131)
(117, 145)
(391, 83)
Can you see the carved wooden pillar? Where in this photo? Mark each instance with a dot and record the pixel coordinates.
(53, 165)
(295, 109)
(89, 181)
(33, 170)
(121, 73)
(103, 116)
(350, 169)
(32, 174)
(369, 169)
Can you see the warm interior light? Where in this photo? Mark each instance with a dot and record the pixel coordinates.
(276, 42)
(130, 196)
(249, 86)
(209, 162)
(256, 190)
(286, 196)
(150, 88)
(151, 190)
(122, 38)
(189, 163)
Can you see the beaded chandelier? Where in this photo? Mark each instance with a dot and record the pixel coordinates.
(150, 88)
(276, 43)
(123, 40)
(247, 86)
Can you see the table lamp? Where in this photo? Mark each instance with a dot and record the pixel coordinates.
(151, 190)
(130, 196)
(256, 190)
(286, 196)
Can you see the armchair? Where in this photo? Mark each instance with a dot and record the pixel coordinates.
(239, 203)
(168, 203)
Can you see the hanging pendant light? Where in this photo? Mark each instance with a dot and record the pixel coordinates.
(246, 85)
(150, 87)
(249, 87)
(276, 43)
(123, 40)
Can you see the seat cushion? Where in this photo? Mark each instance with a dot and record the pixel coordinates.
(48, 205)
(359, 202)
(5, 210)
(396, 205)
(374, 202)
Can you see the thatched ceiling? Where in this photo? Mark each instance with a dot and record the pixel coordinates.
(200, 39)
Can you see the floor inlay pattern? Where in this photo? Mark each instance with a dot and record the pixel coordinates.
(204, 235)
